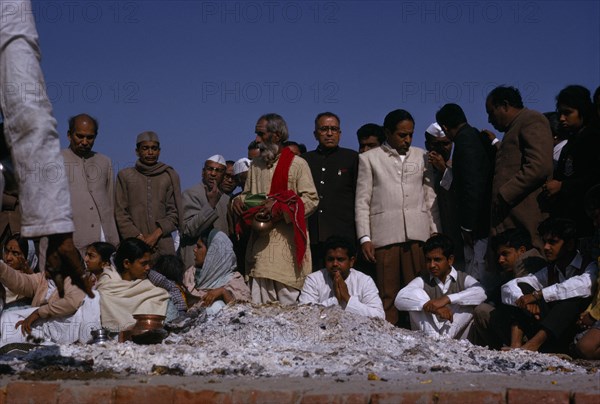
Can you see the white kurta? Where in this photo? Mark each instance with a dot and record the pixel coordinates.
(413, 297)
(567, 286)
(364, 296)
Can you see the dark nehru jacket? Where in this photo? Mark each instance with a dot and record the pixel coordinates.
(334, 173)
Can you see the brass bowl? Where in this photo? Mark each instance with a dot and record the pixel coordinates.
(261, 223)
(145, 322)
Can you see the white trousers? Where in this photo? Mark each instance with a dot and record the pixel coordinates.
(432, 325)
(30, 128)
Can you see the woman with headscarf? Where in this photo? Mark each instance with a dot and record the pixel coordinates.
(213, 277)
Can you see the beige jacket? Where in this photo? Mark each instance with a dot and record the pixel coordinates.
(91, 185)
(36, 287)
(395, 200)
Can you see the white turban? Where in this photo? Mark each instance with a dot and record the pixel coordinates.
(435, 130)
(217, 158)
(241, 166)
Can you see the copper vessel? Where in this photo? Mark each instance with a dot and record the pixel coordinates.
(261, 223)
(145, 322)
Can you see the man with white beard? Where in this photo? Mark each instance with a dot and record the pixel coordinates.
(277, 260)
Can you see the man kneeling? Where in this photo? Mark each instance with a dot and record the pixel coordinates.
(340, 284)
(441, 299)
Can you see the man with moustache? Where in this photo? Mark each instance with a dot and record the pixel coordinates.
(278, 259)
(91, 185)
(396, 208)
(339, 284)
(148, 198)
(334, 170)
(204, 206)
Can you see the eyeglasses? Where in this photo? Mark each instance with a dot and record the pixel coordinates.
(333, 129)
(214, 169)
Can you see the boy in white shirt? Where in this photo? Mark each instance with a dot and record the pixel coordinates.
(441, 299)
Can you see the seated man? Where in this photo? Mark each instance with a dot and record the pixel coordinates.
(516, 258)
(440, 301)
(340, 284)
(549, 301)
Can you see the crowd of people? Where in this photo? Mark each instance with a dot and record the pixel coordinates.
(495, 241)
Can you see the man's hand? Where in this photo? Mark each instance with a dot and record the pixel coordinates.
(27, 323)
(445, 313)
(552, 187)
(534, 309)
(340, 289)
(238, 206)
(152, 238)
(435, 304)
(586, 320)
(437, 160)
(524, 300)
(368, 251)
(213, 194)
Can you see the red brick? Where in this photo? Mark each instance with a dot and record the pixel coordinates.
(144, 394)
(470, 397)
(342, 398)
(420, 397)
(525, 396)
(201, 396)
(85, 394)
(263, 396)
(31, 392)
(586, 398)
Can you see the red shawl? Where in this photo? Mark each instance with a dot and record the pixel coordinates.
(286, 201)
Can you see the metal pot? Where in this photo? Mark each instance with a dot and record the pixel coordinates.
(261, 223)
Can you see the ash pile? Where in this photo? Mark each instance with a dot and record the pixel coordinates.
(271, 340)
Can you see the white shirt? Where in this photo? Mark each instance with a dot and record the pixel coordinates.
(568, 286)
(364, 295)
(413, 298)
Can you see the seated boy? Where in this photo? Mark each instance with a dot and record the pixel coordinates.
(516, 258)
(340, 284)
(441, 299)
(548, 302)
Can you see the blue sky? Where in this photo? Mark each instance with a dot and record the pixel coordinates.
(199, 73)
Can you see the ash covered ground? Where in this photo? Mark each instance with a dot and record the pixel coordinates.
(270, 341)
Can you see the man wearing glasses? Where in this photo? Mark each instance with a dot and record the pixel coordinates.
(148, 198)
(204, 207)
(334, 170)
